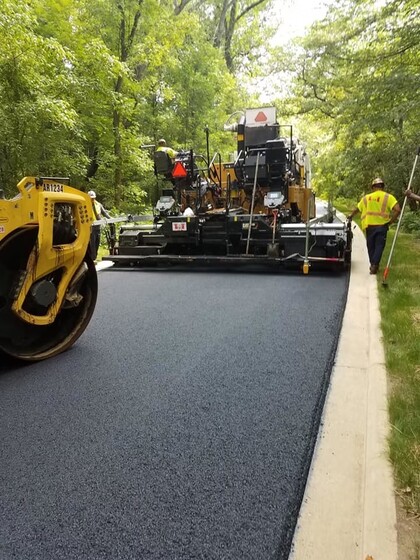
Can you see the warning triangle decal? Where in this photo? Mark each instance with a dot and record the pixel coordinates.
(179, 171)
(261, 117)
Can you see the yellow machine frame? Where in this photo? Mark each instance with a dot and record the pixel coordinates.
(34, 207)
(299, 193)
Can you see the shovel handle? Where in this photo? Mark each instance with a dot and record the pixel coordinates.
(388, 264)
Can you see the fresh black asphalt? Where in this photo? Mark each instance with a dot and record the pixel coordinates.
(180, 426)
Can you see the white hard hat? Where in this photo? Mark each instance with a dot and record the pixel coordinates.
(92, 194)
(377, 181)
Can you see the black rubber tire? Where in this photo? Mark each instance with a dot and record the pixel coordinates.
(38, 342)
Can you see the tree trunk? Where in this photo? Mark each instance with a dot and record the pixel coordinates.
(126, 44)
(226, 27)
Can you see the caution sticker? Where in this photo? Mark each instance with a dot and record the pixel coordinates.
(179, 226)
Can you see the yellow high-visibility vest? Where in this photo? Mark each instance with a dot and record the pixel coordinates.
(376, 208)
(96, 210)
(171, 153)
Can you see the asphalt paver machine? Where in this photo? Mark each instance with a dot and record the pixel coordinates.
(258, 208)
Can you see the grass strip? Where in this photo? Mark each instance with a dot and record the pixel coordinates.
(400, 322)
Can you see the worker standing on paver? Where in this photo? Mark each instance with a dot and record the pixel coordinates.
(379, 209)
(162, 147)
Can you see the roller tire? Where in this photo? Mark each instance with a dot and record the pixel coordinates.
(28, 342)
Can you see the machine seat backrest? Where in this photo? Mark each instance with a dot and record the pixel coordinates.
(163, 163)
(276, 158)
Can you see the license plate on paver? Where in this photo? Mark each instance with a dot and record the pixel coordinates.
(179, 226)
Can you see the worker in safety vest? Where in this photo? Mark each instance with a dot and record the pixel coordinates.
(379, 209)
(98, 213)
(162, 147)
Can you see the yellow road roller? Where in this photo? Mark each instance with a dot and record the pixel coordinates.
(48, 281)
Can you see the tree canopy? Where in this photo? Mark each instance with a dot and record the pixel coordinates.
(355, 90)
(84, 84)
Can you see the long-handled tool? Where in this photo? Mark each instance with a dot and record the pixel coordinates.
(388, 264)
(251, 212)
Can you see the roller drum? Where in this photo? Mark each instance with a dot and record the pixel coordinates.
(34, 342)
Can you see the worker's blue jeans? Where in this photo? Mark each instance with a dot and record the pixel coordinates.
(376, 240)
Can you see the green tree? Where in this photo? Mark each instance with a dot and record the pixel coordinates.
(40, 127)
(238, 28)
(85, 84)
(357, 74)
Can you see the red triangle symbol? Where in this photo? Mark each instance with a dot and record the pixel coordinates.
(261, 117)
(179, 171)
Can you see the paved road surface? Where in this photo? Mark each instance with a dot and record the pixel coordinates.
(180, 425)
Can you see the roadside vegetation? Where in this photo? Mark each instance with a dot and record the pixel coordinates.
(400, 311)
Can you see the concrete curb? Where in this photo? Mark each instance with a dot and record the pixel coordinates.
(348, 511)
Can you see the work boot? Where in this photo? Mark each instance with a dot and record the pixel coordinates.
(374, 268)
